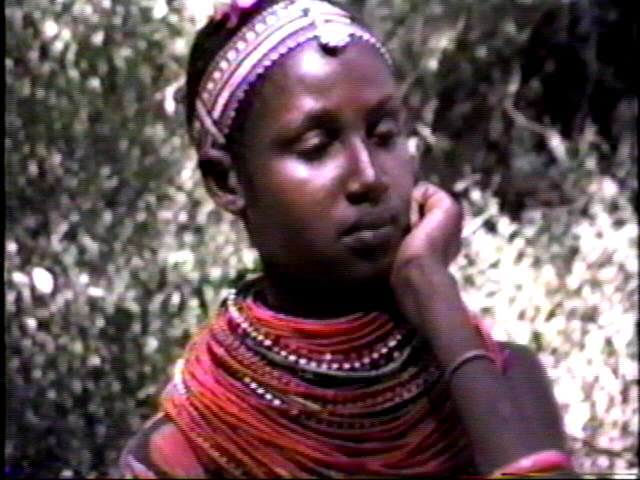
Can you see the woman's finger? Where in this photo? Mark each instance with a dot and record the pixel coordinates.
(418, 203)
(413, 213)
(441, 216)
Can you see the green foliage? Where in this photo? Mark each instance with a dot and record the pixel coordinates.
(564, 281)
(115, 256)
(98, 202)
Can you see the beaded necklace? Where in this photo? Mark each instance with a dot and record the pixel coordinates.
(261, 394)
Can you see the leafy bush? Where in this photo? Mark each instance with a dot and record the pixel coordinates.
(564, 281)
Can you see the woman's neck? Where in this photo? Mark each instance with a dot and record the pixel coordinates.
(323, 300)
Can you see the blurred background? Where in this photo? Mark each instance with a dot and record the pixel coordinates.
(525, 110)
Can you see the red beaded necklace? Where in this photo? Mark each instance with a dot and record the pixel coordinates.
(261, 394)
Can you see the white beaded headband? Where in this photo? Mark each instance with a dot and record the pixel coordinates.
(274, 32)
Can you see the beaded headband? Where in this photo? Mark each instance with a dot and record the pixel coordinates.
(256, 47)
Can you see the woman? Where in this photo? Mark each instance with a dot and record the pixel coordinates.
(353, 353)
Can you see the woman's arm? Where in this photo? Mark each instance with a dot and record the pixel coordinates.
(507, 416)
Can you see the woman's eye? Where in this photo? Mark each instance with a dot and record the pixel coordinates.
(314, 147)
(385, 133)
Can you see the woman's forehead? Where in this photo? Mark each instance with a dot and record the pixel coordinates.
(310, 79)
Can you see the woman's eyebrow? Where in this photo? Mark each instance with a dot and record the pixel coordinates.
(387, 105)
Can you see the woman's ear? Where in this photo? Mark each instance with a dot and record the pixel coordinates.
(221, 179)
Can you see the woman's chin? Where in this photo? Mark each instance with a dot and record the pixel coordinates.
(373, 270)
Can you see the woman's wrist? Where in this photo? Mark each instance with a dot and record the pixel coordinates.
(431, 301)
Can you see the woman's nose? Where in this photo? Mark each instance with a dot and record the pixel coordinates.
(365, 183)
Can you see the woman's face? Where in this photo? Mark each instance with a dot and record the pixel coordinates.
(326, 173)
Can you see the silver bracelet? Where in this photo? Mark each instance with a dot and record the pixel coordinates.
(464, 358)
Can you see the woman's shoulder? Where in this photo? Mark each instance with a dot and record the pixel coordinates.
(159, 450)
(531, 385)
(523, 367)
(521, 359)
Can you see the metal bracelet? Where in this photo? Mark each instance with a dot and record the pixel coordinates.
(464, 358)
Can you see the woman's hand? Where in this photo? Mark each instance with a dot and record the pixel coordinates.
(434, 239)
(425, 291)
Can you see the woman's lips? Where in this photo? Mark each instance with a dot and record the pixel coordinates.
(372, 237)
